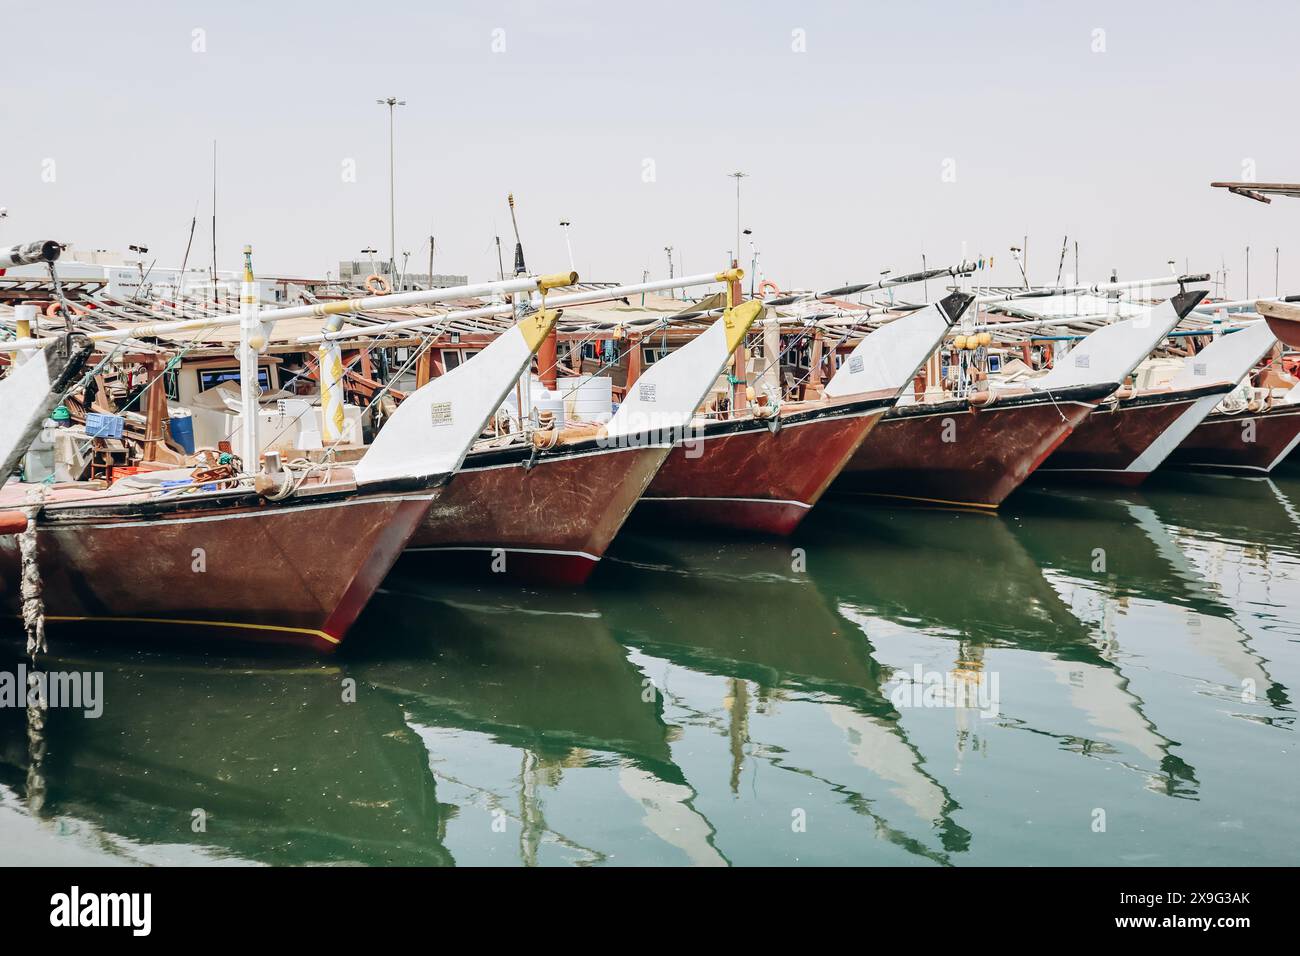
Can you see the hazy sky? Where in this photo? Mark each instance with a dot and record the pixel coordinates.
(1103, 121)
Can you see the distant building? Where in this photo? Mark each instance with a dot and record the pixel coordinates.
(355, 272)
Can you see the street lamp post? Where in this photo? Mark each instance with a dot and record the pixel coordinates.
(391, 102)
(737, 176)
(564, 224)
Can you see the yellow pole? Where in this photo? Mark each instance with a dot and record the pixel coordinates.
(330, 357)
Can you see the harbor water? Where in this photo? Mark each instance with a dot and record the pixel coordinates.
(1088, 677)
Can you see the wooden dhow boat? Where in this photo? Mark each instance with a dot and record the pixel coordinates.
(277, 554)
(761, 472)
(543, 504)
(1257, 426)
(975, 450)
(1132, 433)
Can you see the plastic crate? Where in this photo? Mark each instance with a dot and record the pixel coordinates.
(99, 425)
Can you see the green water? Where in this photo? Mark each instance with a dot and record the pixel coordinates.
(710, 701)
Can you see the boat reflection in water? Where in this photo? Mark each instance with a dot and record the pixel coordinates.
(1149, 558)
(959, 594)
(446, 743)
(538, 674)
(776, 657)
(208, 760)
(710, 701)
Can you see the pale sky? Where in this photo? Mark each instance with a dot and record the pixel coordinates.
(1097, 120)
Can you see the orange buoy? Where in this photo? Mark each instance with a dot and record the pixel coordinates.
(52, 310)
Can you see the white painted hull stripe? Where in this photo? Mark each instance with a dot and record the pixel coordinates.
(563, 554)
(1173, 436)
(991, 408)
(545, 460)
(141, 522)
(1286, 451)
(757, 501)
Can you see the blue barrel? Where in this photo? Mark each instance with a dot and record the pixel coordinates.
(182, 432)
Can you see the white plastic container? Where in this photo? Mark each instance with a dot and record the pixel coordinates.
(589, 398)
(38, 463)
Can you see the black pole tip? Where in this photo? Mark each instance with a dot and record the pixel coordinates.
(954, 305)
(1185, 301)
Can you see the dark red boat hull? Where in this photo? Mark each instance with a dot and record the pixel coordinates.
(743, 475)
(546, 524)
(1220, 442)
(989, 454)
(1120, 443)
(294, 574)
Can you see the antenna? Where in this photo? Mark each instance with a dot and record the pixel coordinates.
(520, 268)
(214, 219)
(180, 282)
(1018, 254)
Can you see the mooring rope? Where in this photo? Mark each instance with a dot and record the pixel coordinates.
(33, 606)
(33, 612)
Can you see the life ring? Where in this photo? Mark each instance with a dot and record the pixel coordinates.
(376, 280)
(52, 310)
(765, 285)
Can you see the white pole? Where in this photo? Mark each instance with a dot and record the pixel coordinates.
(320, 309)
(249, 341)
(554, 302)
(567, 244)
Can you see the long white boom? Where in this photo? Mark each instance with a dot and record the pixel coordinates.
(1097, 288)
(340, 307)
(553, 302)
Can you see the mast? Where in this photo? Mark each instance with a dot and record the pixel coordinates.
(546, 354)
(520, 269)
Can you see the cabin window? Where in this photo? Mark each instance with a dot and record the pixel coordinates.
(591, 350)
(451, 358)
(653, 353)
(212, 377)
